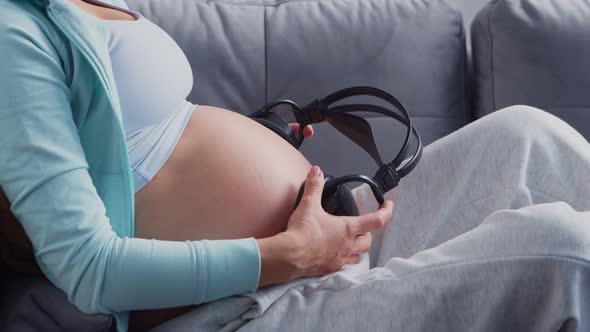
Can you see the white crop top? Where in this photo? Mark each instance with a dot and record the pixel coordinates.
(153, 79)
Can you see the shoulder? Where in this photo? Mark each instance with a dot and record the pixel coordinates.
(26, 25)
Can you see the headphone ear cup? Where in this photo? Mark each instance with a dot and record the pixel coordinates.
(327, 179)
(338, 200)
(348, 205)
(278, 126)
(329, 199)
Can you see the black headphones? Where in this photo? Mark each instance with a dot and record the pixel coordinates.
(337, 199)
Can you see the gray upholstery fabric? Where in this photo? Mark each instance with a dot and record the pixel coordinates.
(469, 8)
(32, 303)
(246, 53)
(535, 53)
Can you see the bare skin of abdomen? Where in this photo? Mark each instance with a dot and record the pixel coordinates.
(227, 178)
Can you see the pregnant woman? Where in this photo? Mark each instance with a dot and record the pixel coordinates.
(136, 200)
(197, 172)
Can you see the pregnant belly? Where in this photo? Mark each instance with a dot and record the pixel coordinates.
(228, 177)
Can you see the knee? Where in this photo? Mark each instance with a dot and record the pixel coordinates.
(521, 120)
(552, 229)
(567, 237)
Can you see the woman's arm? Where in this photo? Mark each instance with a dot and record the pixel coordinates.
(44, 174)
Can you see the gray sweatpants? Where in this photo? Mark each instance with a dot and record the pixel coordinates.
(488, 234)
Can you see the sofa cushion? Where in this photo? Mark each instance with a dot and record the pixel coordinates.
(535, 53)
(246, 53)
(32, 303)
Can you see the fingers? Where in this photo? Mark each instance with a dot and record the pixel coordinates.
(362, 243)
(371, 221)
(313, 188)
(352, 259)
(307, 130)
(294, 127)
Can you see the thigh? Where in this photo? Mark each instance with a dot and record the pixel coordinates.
(512, 158)
(523, 269)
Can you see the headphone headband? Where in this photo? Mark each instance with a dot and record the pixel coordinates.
(354, 127)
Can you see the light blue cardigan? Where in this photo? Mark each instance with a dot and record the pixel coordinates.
(65, 170)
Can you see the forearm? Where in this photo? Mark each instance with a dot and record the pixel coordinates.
(102, 272)
(144, 274)
(45, 175)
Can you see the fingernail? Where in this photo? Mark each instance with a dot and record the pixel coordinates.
(315, 170)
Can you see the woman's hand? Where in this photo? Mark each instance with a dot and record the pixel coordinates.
(307, 130)
(324, 242)
(316, 242)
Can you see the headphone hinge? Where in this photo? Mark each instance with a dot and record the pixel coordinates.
(386, 177)
(314, 112)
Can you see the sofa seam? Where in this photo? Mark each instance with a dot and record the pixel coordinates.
(264, 18)
(465, 117)
(492, 73)
(466, 93)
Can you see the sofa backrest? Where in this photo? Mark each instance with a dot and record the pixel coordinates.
(535, 53)
(246, 53)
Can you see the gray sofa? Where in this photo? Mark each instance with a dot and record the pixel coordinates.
(245, 53)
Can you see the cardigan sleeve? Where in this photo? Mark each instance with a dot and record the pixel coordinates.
(44, 173)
